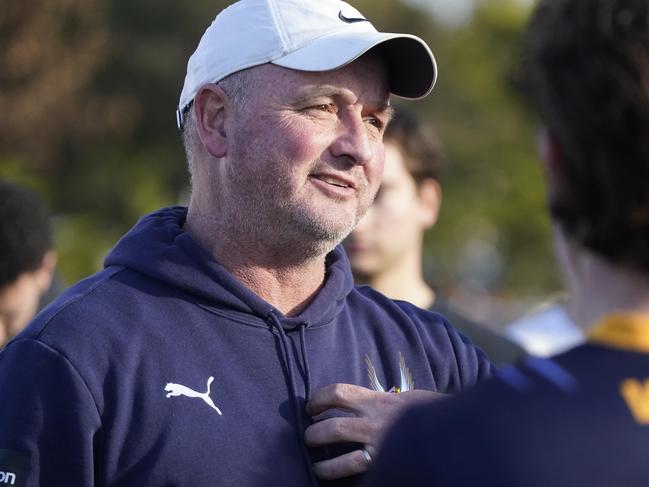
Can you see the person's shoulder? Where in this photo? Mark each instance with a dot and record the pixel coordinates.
(466, 426)
(370, 298)
(454, 358)
(513, 392)
(508, 429)
(74, 310)
(63, 336)
(512, 402)
(448, 441)
(428, 322)
(425, 322)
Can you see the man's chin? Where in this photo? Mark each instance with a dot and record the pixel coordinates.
(323, 227)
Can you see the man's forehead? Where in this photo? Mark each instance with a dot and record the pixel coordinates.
(368, 80)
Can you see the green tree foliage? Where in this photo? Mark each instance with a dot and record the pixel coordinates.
(493, 182)
(493, 230)
(88, 90)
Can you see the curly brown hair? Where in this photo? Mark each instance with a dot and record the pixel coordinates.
(586, 72)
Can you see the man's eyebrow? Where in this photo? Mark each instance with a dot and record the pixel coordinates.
(381, 107)
(309, 93)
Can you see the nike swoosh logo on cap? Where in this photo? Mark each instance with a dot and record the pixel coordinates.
(351, 20)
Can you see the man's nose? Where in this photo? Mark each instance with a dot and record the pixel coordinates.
(353, 140)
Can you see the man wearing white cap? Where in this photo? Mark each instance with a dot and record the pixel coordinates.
(219, 341)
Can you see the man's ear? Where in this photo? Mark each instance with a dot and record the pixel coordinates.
(430, 200)
(551, 156)
(210, 106)
(45, 273)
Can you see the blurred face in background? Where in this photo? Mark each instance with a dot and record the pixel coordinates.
(19, 300)
(391, 232)
(18, 304)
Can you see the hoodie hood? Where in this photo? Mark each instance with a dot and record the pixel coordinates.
(158, 247)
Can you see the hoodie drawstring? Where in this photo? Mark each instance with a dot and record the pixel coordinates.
(297, 409)
(305, 359)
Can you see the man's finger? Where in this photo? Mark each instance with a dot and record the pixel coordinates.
(417, 396)
(347, 397)
(340, 430)
(345, 465)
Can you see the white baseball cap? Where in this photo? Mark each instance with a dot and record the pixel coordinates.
(305, 35)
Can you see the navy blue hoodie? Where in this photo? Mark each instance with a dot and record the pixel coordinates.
(164, 370)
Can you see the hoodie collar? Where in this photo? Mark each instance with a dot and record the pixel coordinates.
(626, 331)
(158, 247)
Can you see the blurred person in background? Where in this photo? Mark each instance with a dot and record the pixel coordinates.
(547, 329)
(220, 342)
(580, 418)
(385, 248)
(27, 258)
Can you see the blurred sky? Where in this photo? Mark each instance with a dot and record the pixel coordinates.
(451, 12)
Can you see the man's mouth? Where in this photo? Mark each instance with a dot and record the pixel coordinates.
(334, 180)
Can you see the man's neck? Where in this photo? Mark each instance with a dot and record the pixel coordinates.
(600, 288)
(403, 281)
(289, 289)
(277, 274)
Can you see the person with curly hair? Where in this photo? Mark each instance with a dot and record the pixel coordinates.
(27, 257)
(580, 418)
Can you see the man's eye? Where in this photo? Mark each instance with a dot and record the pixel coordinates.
(324, 107)
(376, 122)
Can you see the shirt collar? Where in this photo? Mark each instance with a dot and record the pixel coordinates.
(629, 331)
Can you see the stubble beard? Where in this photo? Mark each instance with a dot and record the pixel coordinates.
(267, 216)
